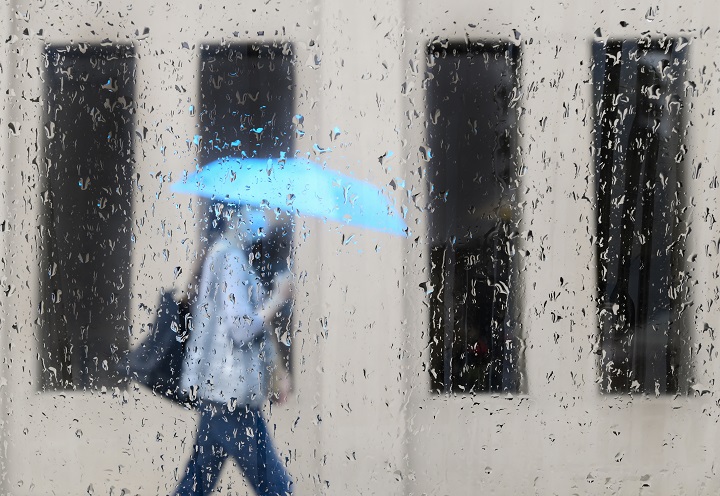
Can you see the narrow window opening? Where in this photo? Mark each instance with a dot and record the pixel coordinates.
(472, 135)
(85, 231)
(639, 158)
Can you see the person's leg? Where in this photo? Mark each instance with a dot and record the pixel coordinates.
(274, 479)
(251, 445)
(203, 468)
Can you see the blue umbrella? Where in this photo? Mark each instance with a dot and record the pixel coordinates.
(297, 186)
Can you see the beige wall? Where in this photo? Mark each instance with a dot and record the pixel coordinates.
(362, 420)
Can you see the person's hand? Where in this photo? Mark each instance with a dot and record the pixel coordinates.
(282, 387)
(283, 286)
(279, 296)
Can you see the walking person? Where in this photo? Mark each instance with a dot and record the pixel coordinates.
(230, 359)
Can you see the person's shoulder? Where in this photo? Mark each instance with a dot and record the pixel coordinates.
(224, 250)
(222, 246)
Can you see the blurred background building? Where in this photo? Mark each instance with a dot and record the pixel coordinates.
(546, 325)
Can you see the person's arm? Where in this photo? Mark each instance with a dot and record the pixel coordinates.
(235, 308)
(280, 384)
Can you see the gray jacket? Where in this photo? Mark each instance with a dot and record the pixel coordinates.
(229, 355)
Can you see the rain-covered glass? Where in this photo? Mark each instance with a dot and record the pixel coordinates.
(380, 247)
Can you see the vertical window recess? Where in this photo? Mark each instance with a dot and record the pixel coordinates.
(85, 229)
(472, 92)
(639, 88)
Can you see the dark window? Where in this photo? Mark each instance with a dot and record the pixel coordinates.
(246, 110)
(87, 214)
(246, 95)
(471, 91)
(639, 154)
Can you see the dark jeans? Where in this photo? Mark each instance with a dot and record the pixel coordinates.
(243, 435)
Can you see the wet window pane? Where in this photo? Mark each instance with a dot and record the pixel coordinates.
(87, 213)
(472, 134)
(639, 135)
(365, 248)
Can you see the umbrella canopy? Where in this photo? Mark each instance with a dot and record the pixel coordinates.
(297, 186)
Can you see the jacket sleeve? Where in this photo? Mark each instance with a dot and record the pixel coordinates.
(236, 305)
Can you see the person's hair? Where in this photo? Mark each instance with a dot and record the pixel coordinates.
(220, 220)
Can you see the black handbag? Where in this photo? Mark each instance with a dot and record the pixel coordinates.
(157, 362)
